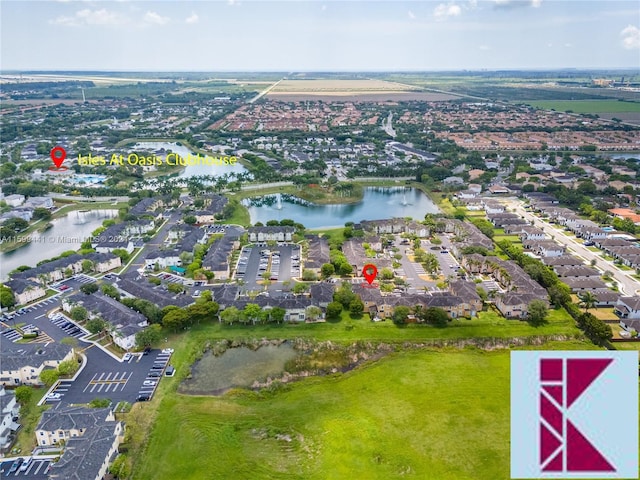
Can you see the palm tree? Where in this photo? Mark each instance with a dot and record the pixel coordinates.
(588, 300)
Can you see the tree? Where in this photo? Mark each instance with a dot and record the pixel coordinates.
(252, 311)
(23, 394)
(122, 253)
(230, 315)
(344, 294)
(334, 309)
(190, 219)
(89, 288)
(110, 291)
(175, 320)
(587, 300)
(386, 274)
(436, 316)
(309, 275)
(300, 288)
(313, 313)
(49, 377)
(175, 288)
(537, 312)
(87, 265)
(78, 314)
(277, 314)
(149, 336)
(400, 314)
(327, 270)
(356, 307)
(120, 467)
(6, 297)
(68, 367)
(96, 325)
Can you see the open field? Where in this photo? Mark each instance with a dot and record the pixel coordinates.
(340, 86)
(351, 90)
(431, 413)
(587, 106)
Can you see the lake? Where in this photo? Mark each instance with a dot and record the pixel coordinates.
(236, 367)
(160, 149)
(378, 203)
(67, 233)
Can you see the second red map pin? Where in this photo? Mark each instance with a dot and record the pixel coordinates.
(369, 272)
(58, 154)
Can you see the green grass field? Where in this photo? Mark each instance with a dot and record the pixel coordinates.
(587, 106)
(438, 414)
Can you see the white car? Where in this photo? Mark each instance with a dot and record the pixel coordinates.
(127, 357)
(149, 383)
(54, 396)
(167, 350)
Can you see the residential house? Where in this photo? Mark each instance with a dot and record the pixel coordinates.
(22, 363)
(25, 291)
(14, 200)
(318, 252)
(9, 411)
(162, 259)
(136, 286)
(582, 284)
(267, 234)
(544, 248)
(53, 271)
(104, 262)
(124, 322)
(90, 439)
(39, 202)
(219, 255)
(576, 271)
(628, 310)
(515, 305)
(472, 303)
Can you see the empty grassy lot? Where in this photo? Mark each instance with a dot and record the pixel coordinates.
(436, 413)
(587, 106)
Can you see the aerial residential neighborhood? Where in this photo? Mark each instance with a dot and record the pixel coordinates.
(342, 240)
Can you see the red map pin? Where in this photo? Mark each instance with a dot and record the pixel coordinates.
(58, 154)
(369, 272)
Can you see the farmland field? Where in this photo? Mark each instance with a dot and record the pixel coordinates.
(587, 106)
(351, 90)
(430, 413)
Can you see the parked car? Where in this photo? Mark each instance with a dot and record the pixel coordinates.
(54, 396)
(16, 465)
(149, 383)
(146, 351)
(126, 357)
(142, 398)
(167, 350)
(154, 374)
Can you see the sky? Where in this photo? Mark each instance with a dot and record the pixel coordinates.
(289, 36)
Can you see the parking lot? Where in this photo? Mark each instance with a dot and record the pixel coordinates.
(36, 470)
(282, 262)
(73, 283)
(105, 377)
(67, 325)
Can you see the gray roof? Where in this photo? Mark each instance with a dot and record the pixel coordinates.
(157, 295)
(14, 356)
(47, 267)
(109, 309)
(19, 285)
(632, 302)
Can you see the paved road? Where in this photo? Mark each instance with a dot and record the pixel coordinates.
(387, 127)
(265, 91)
(155, 243)
(627, 284)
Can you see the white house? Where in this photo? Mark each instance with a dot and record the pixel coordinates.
(22, 363)
(9, 410)
(14, 200)
(628, 310)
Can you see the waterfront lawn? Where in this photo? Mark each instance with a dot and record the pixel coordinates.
(240, 216)
(403, 416)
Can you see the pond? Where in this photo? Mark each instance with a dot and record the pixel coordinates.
(236, 367)
(378, 203)
(162, 148)
(66, 233)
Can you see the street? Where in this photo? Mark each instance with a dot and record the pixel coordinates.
(626, 284)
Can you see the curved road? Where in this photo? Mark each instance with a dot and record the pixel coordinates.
(626, 284)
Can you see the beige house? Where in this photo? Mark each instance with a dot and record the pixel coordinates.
(25, 291)
(22, 364)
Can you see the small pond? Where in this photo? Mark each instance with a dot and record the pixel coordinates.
(236, 367)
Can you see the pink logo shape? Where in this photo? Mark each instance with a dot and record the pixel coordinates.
(563, 448)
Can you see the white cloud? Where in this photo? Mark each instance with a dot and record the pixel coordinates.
(630, 37)
(412, 15)
(90, 17)
(484, 47)
(324, 7)
(233, 2)
(443, 11)
(568, 45)
(193, 18)
(517, 3)
(155, 18)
